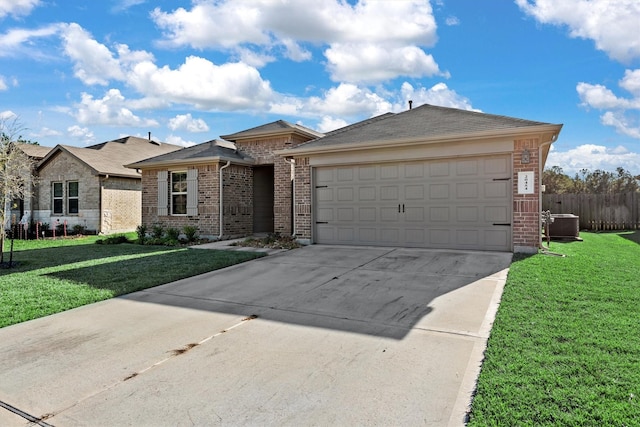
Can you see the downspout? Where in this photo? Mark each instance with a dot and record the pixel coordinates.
(540, 170)
(221, 199)
(292, 162)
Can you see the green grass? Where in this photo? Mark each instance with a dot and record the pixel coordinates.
(565, 346)
(56, 275)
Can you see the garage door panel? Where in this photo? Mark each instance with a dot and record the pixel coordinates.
(445, 203)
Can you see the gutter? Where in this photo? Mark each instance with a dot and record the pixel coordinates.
(292, 162)
(221, 200)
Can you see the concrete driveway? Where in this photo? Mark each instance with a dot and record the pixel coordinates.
(322, 335)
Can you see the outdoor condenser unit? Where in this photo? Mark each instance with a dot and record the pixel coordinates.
(565, 227)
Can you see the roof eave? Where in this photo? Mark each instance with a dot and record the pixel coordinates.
(267, 134)
(550, 130)
(187, 162)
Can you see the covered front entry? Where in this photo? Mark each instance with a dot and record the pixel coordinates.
(453, 203)
(263, 196)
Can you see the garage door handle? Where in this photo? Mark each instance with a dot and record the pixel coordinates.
(402, 208)
(502, 223)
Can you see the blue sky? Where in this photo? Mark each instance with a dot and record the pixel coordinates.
(81, 72)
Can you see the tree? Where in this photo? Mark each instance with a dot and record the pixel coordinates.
(585, 181)
(15, 173)
(555, 181)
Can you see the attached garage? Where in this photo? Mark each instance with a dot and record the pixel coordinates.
(449, 203)
(428, 177)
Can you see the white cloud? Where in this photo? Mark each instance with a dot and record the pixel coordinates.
(622, 123)
(327, 124)
(80, 133)
(8, 115)
(385, 35)
(631, 82)
(110, 110)
(17, 7)
(123, 5)
(94, 62)
(203, 84)
(46, 132)
(439, 94)
(18, 41)
(592, 157)
(3, 84)
(367, 62)
(611, 24)
(452, 21)
(188, 123)
(176, 140)
(347, 100)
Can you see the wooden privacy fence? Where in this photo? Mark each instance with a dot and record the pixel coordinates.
(597, 211)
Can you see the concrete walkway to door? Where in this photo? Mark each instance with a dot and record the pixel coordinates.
(322, 335)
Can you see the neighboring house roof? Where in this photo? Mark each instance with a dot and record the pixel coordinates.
(36, 152)
(109, 158)
(211, 151)
(272, 129)
(420, 124)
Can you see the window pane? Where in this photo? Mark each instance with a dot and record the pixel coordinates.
(73, 206)
(73, 189)
(57, 189)
(179, 204)
(57, 206)
(179, 182)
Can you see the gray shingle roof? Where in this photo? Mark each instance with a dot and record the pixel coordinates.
(426, 121)
(109, 158)
(35, 151)
(271, 128)
(210, 150)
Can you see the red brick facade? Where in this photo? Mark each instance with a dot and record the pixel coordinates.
(526, 207)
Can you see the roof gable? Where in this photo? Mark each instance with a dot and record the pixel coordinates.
(109, 158)
(278, 127)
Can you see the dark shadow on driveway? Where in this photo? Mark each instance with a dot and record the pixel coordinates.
(376, 291)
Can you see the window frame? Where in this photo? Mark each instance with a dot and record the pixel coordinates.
(174, 193)
(71, 198)
(59, 198)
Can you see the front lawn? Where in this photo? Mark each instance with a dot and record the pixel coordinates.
(56, 275)
(565, 347)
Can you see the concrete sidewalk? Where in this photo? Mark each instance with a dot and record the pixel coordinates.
(320, 335)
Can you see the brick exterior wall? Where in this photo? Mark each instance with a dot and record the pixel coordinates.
(237, 201)
(121, 204)
(302, 212)
(526, 207)
(64, 168)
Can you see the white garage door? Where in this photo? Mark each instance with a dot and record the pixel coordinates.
(451, 203)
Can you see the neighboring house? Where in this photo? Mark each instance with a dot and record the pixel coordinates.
(90, 187)
(428, 177)
(21, 209)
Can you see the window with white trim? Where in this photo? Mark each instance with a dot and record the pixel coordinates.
(65, 199)
(179, 193)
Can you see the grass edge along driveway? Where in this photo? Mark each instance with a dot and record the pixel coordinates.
(565, 345)
(58, 275)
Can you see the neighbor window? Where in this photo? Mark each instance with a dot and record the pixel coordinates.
(178, 193)
(72, 198)
(58, 198)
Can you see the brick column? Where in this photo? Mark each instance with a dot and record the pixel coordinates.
(302, 211)
(526, 207)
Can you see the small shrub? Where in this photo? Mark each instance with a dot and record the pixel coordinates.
(173, 233)
(114, 239)
(157, 231)
(141, 231)
(190, 232)
(79, 229)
